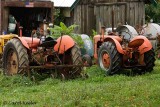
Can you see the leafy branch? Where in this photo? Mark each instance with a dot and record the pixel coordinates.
(62, 29)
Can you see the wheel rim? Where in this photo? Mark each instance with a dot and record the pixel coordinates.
(105, 61)
(12, 62)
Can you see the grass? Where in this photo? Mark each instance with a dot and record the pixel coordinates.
(95, 91)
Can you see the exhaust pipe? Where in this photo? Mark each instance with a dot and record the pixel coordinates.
(20, 31)
(102, 32)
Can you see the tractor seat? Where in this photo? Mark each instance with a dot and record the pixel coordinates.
(135, 43)
(48, 42)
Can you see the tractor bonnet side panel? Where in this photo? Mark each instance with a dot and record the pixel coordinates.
(28, 42)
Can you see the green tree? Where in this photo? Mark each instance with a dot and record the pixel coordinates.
(152, 12)
(58, 16)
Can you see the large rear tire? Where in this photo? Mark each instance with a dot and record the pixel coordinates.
(109, 59)
(76, 60)
(149, 59)
(15, 56)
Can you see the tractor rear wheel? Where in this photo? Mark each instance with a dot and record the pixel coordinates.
(14, 56)
(149, 59)
(109, 59)
(76, 60)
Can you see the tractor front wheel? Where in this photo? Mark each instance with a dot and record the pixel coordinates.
(109, 59)
(14, 56)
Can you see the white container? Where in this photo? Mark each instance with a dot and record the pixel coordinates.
(152, 30)
(11, 27)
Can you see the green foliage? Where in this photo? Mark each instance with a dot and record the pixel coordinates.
(96, 91)
(95, 71)
(152, 12)
(78, 40)
(15, 81)
(94, 33)
(62, 29)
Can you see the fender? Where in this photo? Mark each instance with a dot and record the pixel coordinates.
(146, 46)
(66, 43)
(118, 45)
(114, 39)
(27, 42)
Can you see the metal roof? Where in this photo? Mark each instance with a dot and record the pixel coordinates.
(72, 3)
(63, 3)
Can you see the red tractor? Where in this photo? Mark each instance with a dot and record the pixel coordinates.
(22, 54)
(124, 49)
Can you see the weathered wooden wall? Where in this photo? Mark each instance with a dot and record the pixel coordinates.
(91, 14)
(132, 13)
(84, 18)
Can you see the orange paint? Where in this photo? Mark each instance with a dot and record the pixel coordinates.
(106, 60)
(27, 42)
(66, 43)
(146, 46)
(116, 39)
(136, 43)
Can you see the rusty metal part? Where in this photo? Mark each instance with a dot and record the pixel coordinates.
(12, 63)
(102, 32)
(51, 66)
(20, 31)
(106, 60)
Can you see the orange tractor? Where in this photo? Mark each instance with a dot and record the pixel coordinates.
(124, 49)
(22, 54)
